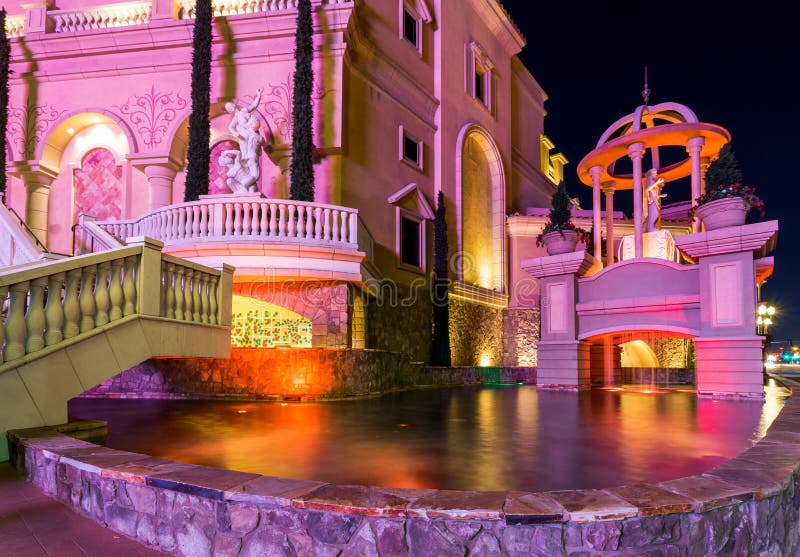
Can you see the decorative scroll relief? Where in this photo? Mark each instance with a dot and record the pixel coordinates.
(101, 17)
(15, 25)
(27, 126)
(278, 101)
(726, 294)
(151, 114)
(239, 7)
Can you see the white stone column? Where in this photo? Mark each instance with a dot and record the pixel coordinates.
(635, 152)
(595, 172)
(160, 179)
(37, 179)
(608, 189)
(694, 147)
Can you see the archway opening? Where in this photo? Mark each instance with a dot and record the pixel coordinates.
(259, 324)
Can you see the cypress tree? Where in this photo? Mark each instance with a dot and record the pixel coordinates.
(561, 211)
(5, 54)
(302, 170)
(440, 340)
(724, 170)
(199, 153)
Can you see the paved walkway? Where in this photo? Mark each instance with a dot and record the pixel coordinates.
(34, 525)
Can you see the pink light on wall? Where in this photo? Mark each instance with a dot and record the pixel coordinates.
(218, 175)
(98, 186)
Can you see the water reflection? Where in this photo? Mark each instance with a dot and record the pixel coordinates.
(490, 438)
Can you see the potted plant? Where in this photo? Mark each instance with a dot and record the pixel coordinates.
(726, 201)
(559, 234)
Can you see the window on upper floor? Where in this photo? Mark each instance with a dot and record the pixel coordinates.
(411, 149)
(479, 75)
(412, 211)
(411, 236)
(413, 14)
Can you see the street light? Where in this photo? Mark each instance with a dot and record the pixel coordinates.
(764, 320)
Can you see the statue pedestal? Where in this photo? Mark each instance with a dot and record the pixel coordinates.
(658, 244)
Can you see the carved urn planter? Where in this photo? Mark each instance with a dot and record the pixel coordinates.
(721, 213)
(560, 241)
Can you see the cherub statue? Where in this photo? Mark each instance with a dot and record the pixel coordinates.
(652, 200)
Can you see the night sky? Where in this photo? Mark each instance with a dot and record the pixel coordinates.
(734, 67)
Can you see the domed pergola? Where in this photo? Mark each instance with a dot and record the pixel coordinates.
(648, 127)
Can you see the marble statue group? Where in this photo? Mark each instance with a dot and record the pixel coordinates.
(243, 170)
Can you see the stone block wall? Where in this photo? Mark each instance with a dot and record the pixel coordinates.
(400, 321)
(521, 331)
(672, 352)
(476, 334)
(279, 373)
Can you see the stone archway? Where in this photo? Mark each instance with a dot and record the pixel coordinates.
(480, 183)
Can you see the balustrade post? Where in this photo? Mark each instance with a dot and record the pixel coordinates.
(86, 298)
(273, 220)
(212, 300)
(353, 228)
(3, 296)
(179, 292)
(148, 276)
(101, 298)
(317, 223)
(54, 310)
(281, 220)
(169, 305)
(196, 315)
(15, 322)
(264, 224)
(204, 225)
(335, 225)
(246, 219)
(72, 310)
(204, 298)
(228, 219)
(237, 219)
(301, 225)
(115, 293)
(343, 226)
(326, 231)
(188, 299)
(225, 294)
(129, 286)
(292, 221)
(34, 318)
(195, 221)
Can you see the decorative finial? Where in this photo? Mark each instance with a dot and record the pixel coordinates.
(646, 90)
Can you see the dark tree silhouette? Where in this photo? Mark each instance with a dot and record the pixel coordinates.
(5, 54)
(302, 170)
(199, 153)
(724, 170)
(561, 211)
(440, 339)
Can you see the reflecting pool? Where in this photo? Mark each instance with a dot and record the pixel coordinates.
(468, 438)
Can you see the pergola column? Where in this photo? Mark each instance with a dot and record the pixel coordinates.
(596, 171)
(635, 152)
(608, 189)
(694, 147)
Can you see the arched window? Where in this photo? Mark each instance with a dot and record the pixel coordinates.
(98, 186)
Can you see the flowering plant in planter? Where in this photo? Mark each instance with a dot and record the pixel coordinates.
(724, 181)
(560, 218)
(746, 193)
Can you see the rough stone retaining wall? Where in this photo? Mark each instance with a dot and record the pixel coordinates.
(276, 373)
(746, 506)
(658, 376)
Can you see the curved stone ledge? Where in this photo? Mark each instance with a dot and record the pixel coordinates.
(748, 505)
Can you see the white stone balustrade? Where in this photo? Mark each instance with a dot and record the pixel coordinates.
(235, 219)
(46, 304)
(101, 17)
(239, 7)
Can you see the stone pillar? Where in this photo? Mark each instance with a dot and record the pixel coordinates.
(608, 189)
(563, 360)
(595, 171)
(694, 147)
(728, 351)
(635, 152)
(160, 179)
(160, 171)
(705, 162)
(164, 9)
(37, 179)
